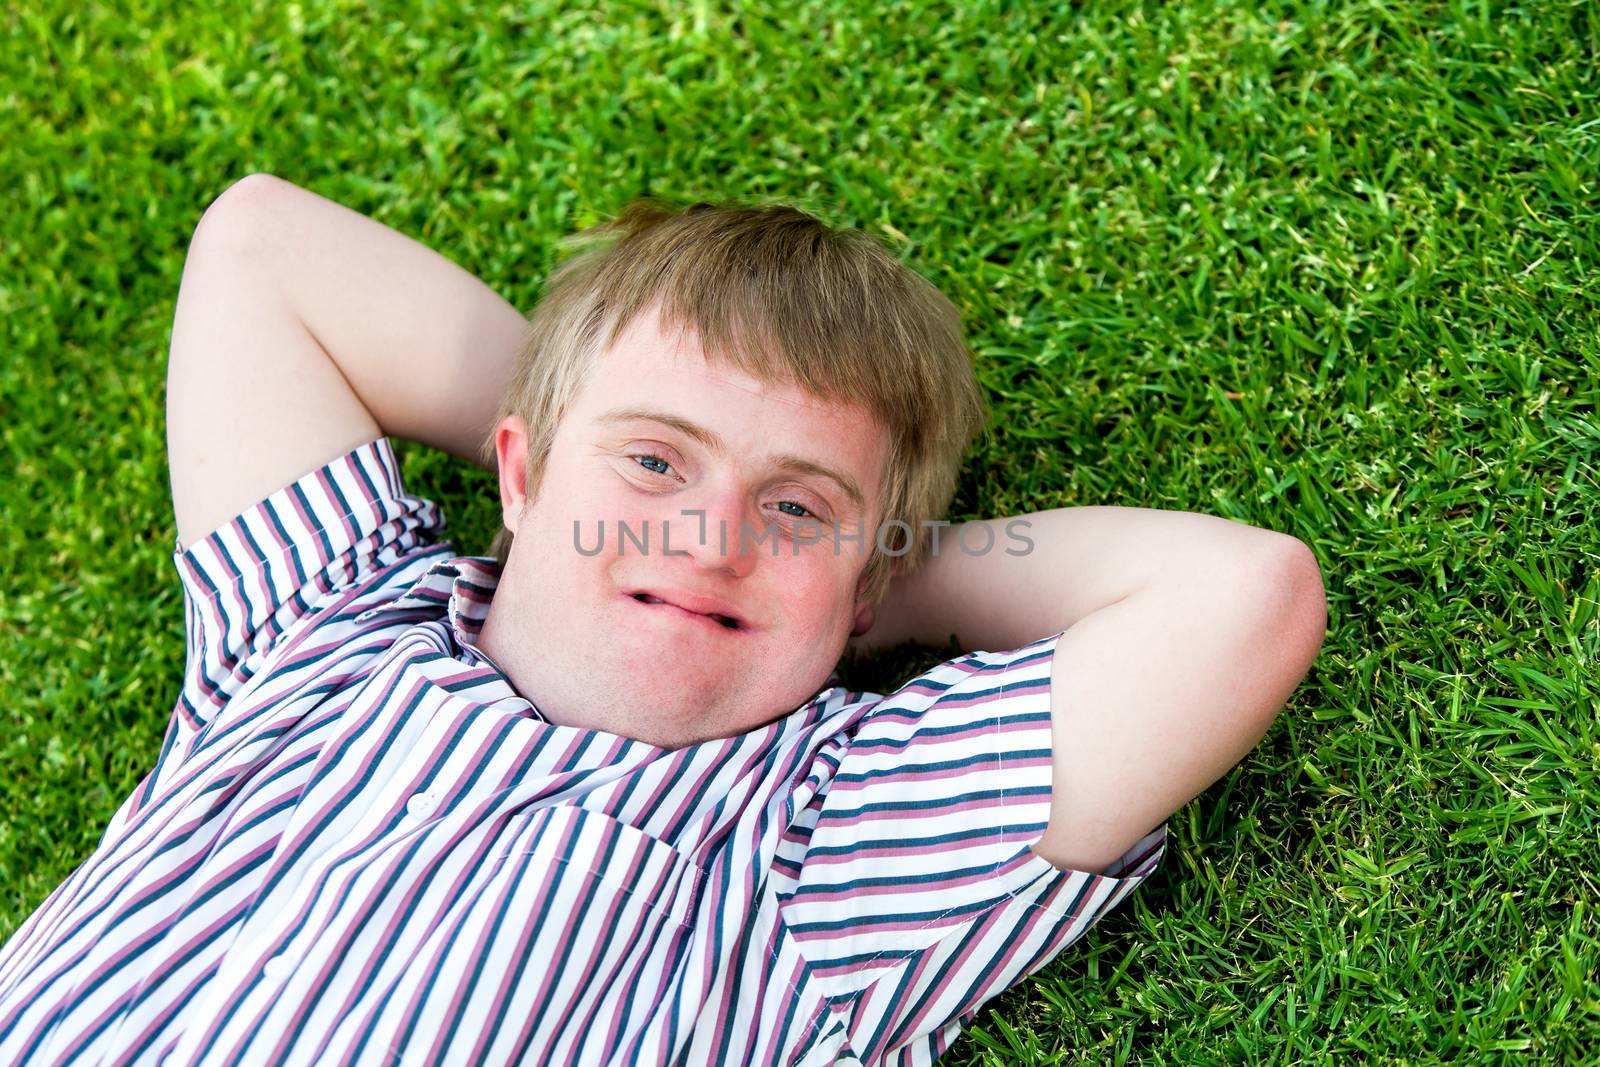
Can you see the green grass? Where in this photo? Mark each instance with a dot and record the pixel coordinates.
(1329, 269)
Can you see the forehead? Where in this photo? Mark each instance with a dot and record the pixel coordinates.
(753, 421)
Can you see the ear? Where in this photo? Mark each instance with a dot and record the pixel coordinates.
(866, 613)
(511, 450)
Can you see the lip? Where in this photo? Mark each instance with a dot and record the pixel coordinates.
(687, 606)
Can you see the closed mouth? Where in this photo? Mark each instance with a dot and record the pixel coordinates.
(724, 620)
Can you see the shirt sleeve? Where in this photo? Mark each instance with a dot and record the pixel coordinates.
(919, 896)
(267, 572)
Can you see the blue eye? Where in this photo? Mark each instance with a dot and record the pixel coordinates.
(653, 459)
(645, 459)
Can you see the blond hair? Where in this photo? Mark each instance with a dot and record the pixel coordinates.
(776, 293)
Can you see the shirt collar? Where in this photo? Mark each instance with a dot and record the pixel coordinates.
(472, 587)
(463, 585)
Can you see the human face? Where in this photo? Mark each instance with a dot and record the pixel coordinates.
(566, 626)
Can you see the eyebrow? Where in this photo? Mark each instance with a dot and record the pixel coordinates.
(696, 432)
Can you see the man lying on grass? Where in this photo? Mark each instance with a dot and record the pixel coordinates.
(601, 798)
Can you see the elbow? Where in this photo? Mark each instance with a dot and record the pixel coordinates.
(1308, 594)
(243, 216)
(1300, 605)
(1288, 620)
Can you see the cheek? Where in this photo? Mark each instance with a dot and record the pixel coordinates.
(819, 589)
(603, 494)
(582, 497)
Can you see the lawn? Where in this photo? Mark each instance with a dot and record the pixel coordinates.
(1325, 268)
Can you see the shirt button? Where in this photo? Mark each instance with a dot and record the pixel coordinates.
(279, 966)
(421, 805)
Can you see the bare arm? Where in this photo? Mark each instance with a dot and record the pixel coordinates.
(427, 346)
(303, 329)
(1030, 576)
(1184, 636)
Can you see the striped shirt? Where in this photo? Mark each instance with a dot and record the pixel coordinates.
(360, 845)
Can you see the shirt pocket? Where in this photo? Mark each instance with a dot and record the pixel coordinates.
(565, 948)
(596, 848)
(608, 932)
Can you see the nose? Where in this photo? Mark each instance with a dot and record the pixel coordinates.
(718, 532)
